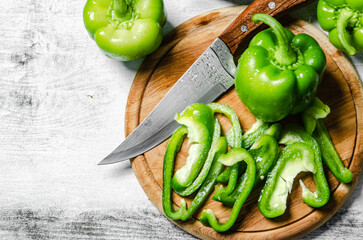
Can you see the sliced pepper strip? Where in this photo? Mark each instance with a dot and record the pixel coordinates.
(221, 147)
(293, 159)
(200, 122)
(265, 151)
(168, 166)
(234, 139)
(234, 135)
(296, 133)
(207, 165)
(330, 155)
(233, 156)
(231, 174)
(314, 125)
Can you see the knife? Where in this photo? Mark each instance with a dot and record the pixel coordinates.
(209, 76)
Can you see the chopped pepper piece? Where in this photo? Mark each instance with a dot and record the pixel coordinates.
(278, 74)
(317, 110)
(125, 29)
(293, 159)
(233, 156)
(344, 21)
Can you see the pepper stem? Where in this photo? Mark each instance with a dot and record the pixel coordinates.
(285, 54)
(343, 20)
(121, 8)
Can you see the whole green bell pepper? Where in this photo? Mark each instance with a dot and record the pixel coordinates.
(125, 29)
(278, 74)
(344, 21)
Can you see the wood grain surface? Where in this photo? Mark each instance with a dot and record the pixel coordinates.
(62, 108)
(341, 89)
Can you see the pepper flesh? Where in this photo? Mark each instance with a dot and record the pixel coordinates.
(125, 29)
(233, 156)
(294, 158)
(343, 19)
(278, 74)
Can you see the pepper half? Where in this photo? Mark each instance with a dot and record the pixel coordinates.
(344, 21)
(125, 29)
(278, 74)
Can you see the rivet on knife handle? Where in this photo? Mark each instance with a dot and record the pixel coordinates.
(243, 25)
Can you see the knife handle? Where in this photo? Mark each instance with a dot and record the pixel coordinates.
(243, 25)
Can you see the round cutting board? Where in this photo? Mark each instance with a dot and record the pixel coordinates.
(341, 89)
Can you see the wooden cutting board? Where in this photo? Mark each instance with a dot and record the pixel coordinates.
(341, 89)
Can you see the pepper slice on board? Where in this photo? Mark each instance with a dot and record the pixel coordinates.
(200, 122)
(314, 125)
(265, 151)
(343, 19)
(296, 133)
(293, 159)
(125, 30)
(233, 156)
(278, 74)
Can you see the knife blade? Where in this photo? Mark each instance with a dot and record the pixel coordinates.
(209, 76)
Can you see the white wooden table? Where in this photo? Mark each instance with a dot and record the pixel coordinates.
(62, 107)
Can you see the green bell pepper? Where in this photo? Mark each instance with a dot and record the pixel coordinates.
(278, 74)
(317, 110)
(200, 122)
(125, 29)
(296, 133)
(232, 157)
(293, 159)
(344, 21)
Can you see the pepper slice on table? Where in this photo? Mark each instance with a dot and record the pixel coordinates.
(296, 133)
(293, 159)
(233, 156)
(344, 21)
(278, 74)
(200, 122)
(125, 29)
